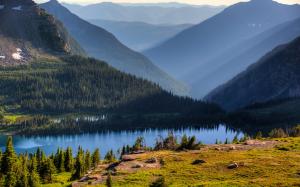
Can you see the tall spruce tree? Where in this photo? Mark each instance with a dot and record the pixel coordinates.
(10, 164)
(34, 178)
(79, 164)
(69, 160)
(96, 157)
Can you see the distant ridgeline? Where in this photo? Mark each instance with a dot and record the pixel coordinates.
(39, 75)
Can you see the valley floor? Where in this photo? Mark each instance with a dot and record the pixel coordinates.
(260, 163)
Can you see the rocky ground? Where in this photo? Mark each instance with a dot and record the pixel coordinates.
(230, 164)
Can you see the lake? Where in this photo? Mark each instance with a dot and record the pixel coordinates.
(114, 139)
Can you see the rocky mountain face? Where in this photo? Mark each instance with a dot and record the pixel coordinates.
(275, 76)
(26, 30)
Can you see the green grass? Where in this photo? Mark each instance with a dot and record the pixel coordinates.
(60, 180)
(263, 167)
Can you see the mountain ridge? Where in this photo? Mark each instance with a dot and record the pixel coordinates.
(196, 46)
(274, 76)
(100, 44)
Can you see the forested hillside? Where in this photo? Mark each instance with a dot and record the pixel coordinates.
(275, 76)
(77, 84)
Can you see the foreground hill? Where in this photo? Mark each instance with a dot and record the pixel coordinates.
(140, 36)
(196, 46)
(275, 76)
(100, 44)
(152, 13)
(236, 59)
(206, 167)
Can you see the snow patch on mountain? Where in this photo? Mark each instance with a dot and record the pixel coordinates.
(19, 8)
(18, 54)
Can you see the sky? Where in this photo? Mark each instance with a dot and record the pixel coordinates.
(198, 2)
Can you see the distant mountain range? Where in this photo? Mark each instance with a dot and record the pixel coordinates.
(275, 76)
(167, 13)
(238, 58)
(140, 36)
(102, 45)
(197, 47)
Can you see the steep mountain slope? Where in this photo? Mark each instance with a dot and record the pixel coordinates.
(196, 46)
(235, 60)
(275, 76)
(139, 36)
(26, 30)
(152, 13)
(101, 44)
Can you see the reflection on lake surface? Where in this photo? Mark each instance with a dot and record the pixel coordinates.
(115, 139)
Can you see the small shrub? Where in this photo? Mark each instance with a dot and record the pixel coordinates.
(160, 182)
(277, 133)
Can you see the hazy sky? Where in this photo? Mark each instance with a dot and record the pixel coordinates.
(200, 2)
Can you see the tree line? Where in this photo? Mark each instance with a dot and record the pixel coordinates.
(88, 85)
(31, 170)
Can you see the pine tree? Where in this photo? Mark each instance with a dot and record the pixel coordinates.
(109, 180)
(34, 178)
(226, 141)
(59, 160)
(48, 170)
(96, 157)
(24, 174)
(235, 140)
(79, 164)
(87, 160)
(10, 164)
(110, 156)
(259, 135)
(68, 160)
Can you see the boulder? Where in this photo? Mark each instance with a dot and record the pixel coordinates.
(127, 158)
(196, 162)
(232, 147)
(233, 166)
(137, 166)
(151, 160)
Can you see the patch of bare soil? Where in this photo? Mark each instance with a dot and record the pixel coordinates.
(129, 164)
(249, 144)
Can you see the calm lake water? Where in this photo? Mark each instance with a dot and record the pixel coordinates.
(114, 139)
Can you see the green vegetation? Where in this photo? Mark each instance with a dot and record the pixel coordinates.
(77, 85)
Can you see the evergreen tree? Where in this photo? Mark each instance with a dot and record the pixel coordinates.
(48, 169)
(68, 159)
(235, 140)
(109, 180)
(226, 141)
(96, 157)
(59, 160)
(34, 178)
(110, 156)
(79, 164)
(10, 164)
(87, 160)
(24, 174)
(259, 135)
